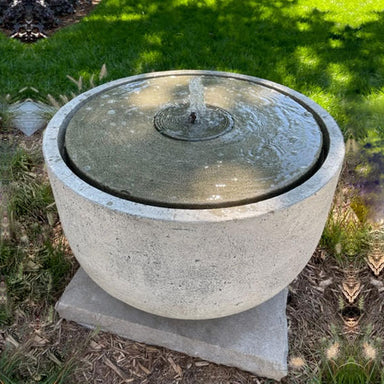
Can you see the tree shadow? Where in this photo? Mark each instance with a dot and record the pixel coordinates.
(335, 64)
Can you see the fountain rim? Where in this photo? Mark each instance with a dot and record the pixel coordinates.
(56, 164)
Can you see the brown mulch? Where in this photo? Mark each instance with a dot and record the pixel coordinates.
(313, 314)
(83, 8)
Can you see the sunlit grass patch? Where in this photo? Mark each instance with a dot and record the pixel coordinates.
(315, 46)
(9, 362)
(371, 110)
(348, 12)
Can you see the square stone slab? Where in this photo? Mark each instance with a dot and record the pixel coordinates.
(255, 340)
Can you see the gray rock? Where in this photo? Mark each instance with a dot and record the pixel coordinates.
(255, 340)
(29, 116)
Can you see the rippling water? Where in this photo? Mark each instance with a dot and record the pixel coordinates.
(113, 143)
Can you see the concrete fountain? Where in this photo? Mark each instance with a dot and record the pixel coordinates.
(191, 199)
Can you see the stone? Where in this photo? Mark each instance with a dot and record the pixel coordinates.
(190, 264)
(254, 341)
(28, 116)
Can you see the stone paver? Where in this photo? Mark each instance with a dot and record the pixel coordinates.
(255, 340)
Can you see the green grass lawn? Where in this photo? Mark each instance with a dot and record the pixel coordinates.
(332, 51)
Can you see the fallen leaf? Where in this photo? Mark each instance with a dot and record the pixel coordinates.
(95, 345)
(201, 363)
(351, 288)
(326, 283)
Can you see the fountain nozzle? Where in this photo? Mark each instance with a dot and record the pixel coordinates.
(192, 117)
(209, 121)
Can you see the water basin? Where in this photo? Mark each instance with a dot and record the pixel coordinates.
(193, 218)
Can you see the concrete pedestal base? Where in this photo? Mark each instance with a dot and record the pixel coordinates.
(255, 340)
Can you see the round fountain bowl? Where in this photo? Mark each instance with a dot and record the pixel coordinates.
(193, 219)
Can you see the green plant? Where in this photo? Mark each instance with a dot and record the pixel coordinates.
(30, 199)
(32, 279)
(6, 153)
(57, 103)
(360, 209)
(22, 164)
(5, 305)
(344, 363)
(54, 260)
(346, 232)
(5, 114)
(351, 372)
(10, 256)
(60, 375)
(34, 268)
(10, 360)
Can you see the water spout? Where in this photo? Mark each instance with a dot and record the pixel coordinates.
(197, 107)
(194, 120)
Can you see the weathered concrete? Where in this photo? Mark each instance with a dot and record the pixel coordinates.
(192, 263)
(255, 340)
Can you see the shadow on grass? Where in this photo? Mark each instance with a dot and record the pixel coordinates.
(332, 62)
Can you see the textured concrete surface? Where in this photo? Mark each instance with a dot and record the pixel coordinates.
(255, 340)
(192, 263)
